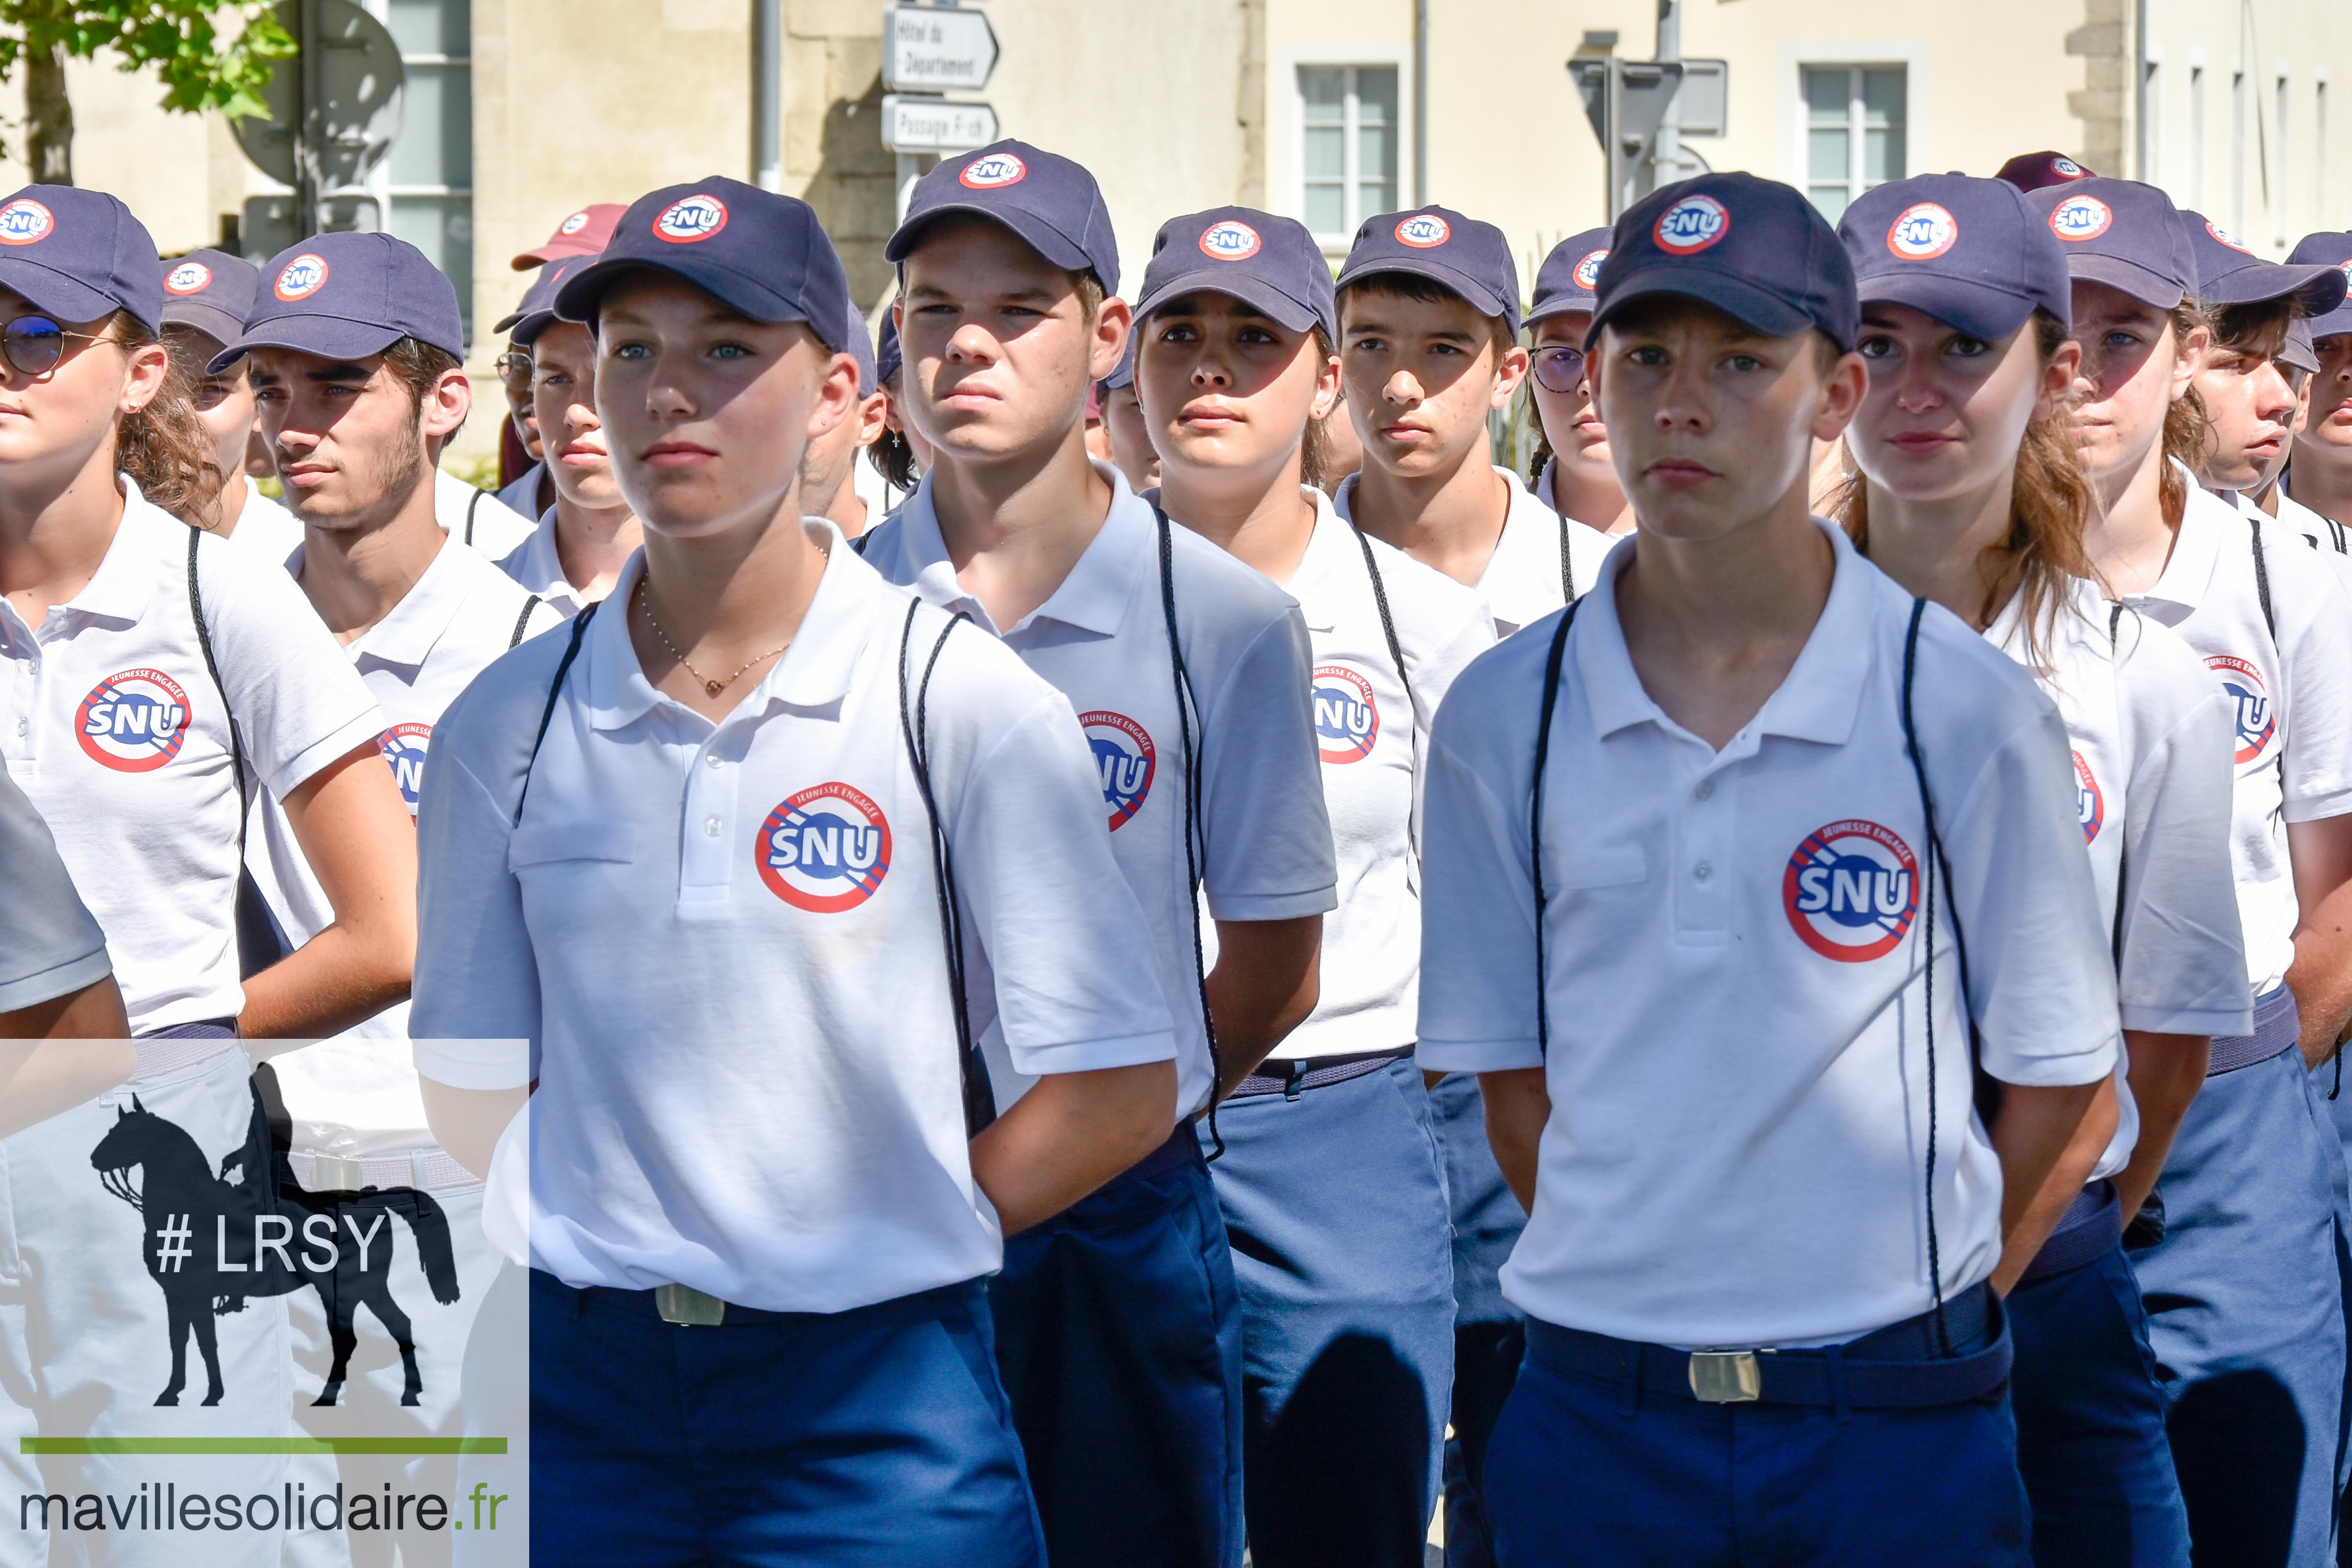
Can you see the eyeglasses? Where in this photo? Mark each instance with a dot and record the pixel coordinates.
(34, 344)
(1560, 368)
(513, 367)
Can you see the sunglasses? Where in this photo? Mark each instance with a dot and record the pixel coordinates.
(34, 344)
(513, 367)
(1560, 368)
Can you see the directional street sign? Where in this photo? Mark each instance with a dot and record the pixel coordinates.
(933, 49)
(935, 124)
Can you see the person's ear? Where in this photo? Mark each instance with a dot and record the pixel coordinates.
(2189, 361)
(1841, 392)
(836, 394)
(1327, 388)
(2058, 376)
(1113, 321)
(1510, 369)
(445, 408)
(146, 368)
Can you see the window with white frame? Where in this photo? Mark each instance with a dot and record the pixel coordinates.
(428, 180)
(2322, 208)
(2238, 147)
(2197, 135)
(2282, 102)
(1855, 122)
(2151, 128)
(1346, 148)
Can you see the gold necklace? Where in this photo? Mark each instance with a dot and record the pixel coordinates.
(714, 688)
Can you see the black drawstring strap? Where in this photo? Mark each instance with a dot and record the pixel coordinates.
(1191, 825)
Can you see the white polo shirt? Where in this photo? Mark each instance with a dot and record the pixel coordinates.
(2294, 693)
(111, 725)
(2320, 532)
(496, 527)
(1546, 490)
(1736, 1154)
(521, 496)
(48, 944)
(535, 566)
(1102, 639)
(1372, 737)
(2148, 727)
(716, 948)
(1522, 583)
(266, 525)
(356, 1094)
(2306, 524)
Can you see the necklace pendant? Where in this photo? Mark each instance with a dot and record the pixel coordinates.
(714, 686)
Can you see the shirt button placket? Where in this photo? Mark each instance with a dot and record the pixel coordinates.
(1704, 897)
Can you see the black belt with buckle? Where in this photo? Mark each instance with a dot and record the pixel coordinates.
(1894, 1367)
(683, 1305)
(1294, 1076)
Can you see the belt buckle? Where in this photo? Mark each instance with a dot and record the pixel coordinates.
(1725, 1377)
(337, 1173)
(688, 1307)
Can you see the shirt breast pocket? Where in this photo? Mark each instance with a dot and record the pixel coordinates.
(1588, 868)
(553, 848)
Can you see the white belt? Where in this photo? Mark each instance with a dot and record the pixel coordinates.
(159, 1056)
(426, 1169)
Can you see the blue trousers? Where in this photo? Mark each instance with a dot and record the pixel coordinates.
(1335, 1202)
(1582, 1471)
(2246, 1316)
(1489, 1334)
(875, 1436)
(2091, 1441)
(1119, 1335)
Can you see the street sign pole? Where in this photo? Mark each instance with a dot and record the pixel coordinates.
(1666, 147)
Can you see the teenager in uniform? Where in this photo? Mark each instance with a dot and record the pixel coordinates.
(1130, 436)
(897, 454)
(1347, 1305)
(2245, 1308)
(588, 533)
(580, 234)
(155, 673)
(1760, 1326)
(207, 294)
(1574, 474)
(2320, 479)
(829, 484)
(1119, 1328)
(1971, 494)
(758, 1315)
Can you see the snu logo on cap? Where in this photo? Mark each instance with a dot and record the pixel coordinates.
(189, 278)
(1691, 225)
(2218, 232)
(1423, 231)
(1588, 271)
(1230, 240)
(133, 722)
(691, 218)
(2068, 167)
(1851, 891)
(1922, 232)
(1125, 757)
(573, 223)
(303, 277)
(996, 169)
(824, 850)
(2079, 218)
(25, 221)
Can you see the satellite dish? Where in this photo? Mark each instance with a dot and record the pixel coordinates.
(346, 84)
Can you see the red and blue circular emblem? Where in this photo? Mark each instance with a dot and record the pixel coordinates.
(188, 277)
(2078, 218)
(302, 278)
(25, 222)
(2256, 722)
(1230, 240)
(1587, 271)
(2090, 804)
(404, 746)
(690, 219)
(133, 722)
(1423, 231)
(991, 170)
(1852, 890)
(1691, 225)
(1125, 757)
(824, 850)
(1923, 231)
(1346, 720)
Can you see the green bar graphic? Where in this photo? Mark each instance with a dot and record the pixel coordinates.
(375, 1446)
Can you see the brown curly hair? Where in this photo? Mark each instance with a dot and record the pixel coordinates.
(163, 447)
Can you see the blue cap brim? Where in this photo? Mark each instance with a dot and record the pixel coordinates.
(2319, 289)
(1981, 309)
(1220, 278)
(1759, 310)
(221, 326)
(1564, 305)
(1481, 298)
(2334, 323)
(326, 337)
(53, 293)
(583, 292)
(1031, 231)
(2148, 286)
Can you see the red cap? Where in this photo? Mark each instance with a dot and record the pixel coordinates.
(2032, 170)
(584, 233)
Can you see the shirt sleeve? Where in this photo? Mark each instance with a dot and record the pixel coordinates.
(1478, 974)
(2315, 634)
(49, 945)
(475, 1017)
(2184, 959)
(1042, 895)
(1269, 852)
(297, 702)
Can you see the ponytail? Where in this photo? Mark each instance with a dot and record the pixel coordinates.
(163, 447)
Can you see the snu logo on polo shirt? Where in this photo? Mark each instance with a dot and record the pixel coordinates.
(1347, 719)
(2090, 804)
(133, 722)
(2257, 724)
(824, 850)
(1851, 891)
(402, 746)
(1125, 757)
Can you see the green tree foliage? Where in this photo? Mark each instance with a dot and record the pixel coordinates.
(209, 54)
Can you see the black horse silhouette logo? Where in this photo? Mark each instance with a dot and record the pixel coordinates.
(216, 1241)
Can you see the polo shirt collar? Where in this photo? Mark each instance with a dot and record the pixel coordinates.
(2196, 548)
(813, 674)
(1093, 598)
(124, 583)
(1818, 700)
(407, 636)
(1331, 549)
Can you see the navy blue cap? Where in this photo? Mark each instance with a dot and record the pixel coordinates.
(887, 358)
(347, 296)
(1271, 264)
(2123, 234)
(1470, 258)
(79, 256)
(210, 291)
(2036, 170)
(1053, 204)
(2327, 248)
(2301, 352)
(754, 251)
(1123, 374)
(1564, 283)
(536, 313)
(861, 349)
(1971, 253)
(2230, 274)
(1755, 249)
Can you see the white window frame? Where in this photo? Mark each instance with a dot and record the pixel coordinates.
(2323, 208)
(2151, 130)
(2238, 140)
(2197, 126)
(1286, 174)
(1911, 54)
(2283, 121)
(380, 183)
